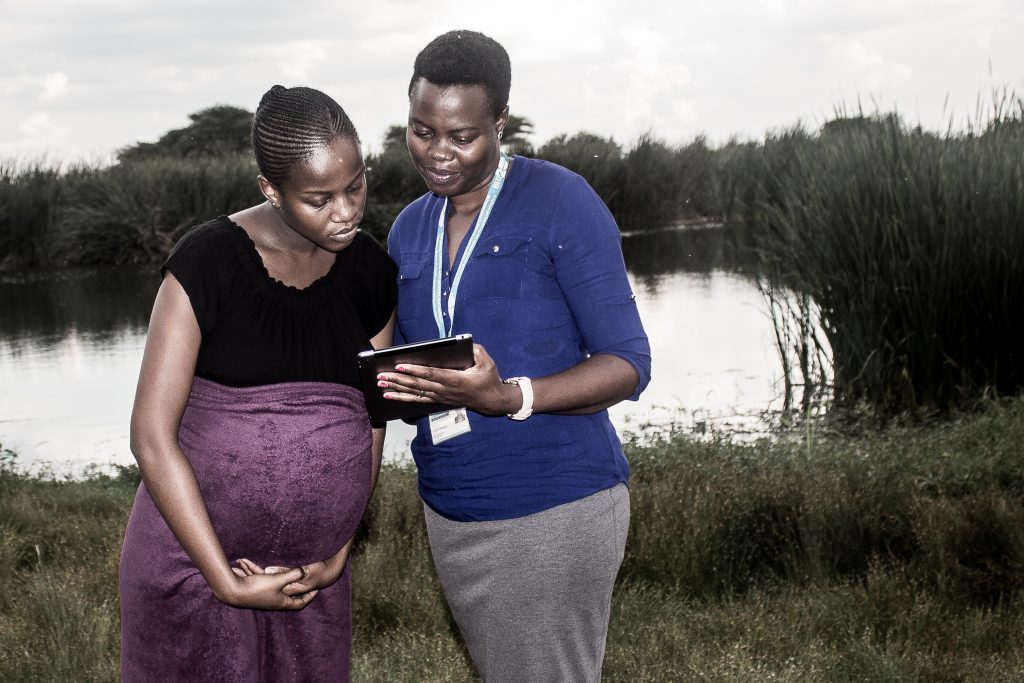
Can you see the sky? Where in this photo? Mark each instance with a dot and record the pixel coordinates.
(78, 80)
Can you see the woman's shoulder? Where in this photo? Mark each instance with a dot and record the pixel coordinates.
(211, 235)
(417, 208)
(542, 178)
(212, 247)
(368, 252)
(407, 227)
(543, 186)
(544, 170)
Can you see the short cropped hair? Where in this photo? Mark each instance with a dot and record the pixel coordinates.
(292, 123)
(466, 58)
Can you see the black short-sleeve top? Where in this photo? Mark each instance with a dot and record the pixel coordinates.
(257, 330)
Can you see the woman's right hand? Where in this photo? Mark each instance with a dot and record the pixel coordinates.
(264, 590)
(478, 387)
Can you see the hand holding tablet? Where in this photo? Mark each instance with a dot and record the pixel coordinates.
(450, 352)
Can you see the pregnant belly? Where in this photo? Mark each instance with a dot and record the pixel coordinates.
(285, 481)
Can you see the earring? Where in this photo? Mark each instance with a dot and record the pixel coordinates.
(500, 133)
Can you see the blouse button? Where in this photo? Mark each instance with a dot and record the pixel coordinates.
(495, 248)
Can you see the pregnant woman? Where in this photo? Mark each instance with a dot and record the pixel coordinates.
(249, 426)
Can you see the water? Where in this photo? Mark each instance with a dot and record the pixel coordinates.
(71, 343)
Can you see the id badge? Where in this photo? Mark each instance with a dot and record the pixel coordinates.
(448, 425)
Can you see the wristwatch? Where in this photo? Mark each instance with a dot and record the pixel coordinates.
(525, 386)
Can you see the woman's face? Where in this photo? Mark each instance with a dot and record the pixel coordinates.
(323, 196)
(453, 136)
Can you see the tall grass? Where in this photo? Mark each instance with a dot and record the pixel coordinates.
(126, 213)
(912, 246)
(884, 556)
(29, 196)
(134, 212)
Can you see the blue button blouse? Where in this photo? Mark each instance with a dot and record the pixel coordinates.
(544, 288)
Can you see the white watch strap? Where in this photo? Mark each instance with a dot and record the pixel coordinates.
(525, 386)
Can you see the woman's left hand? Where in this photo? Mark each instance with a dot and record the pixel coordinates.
(315, 576)
(478, 388)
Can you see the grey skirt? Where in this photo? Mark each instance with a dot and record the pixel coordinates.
(532, 595)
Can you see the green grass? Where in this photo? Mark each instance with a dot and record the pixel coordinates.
(893, 555)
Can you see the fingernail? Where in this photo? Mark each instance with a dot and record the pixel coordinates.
(387, 394)
(400, 368)
(382, 384)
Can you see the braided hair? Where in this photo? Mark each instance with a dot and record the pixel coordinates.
(290, 124)
(466, 58)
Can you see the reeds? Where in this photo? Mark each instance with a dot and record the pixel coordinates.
(126, 213)
(29, 196)
(912, 247)
(134, 212)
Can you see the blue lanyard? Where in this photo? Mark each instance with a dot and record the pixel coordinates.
(474, 236)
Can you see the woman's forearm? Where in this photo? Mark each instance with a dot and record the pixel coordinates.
(591, 386)
(172, 484)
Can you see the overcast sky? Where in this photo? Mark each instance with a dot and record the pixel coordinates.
(81, 78)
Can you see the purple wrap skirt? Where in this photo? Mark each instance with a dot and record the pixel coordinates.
(284, 470)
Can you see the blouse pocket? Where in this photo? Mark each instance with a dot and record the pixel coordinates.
(413, 291)
(499, 265)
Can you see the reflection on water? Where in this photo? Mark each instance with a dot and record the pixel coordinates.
(70, 346)
(39, 310)
(693, 249)
(71, 343)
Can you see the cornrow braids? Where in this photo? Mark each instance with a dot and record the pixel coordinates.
(290, 124)
(466, 58)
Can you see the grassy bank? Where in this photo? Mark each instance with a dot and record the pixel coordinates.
(882, 556)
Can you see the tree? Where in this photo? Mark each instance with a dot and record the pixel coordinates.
(513, 139)
(221, 129)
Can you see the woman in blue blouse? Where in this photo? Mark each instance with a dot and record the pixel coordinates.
(525, 487)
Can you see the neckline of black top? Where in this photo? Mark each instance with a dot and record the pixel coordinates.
(251, 255)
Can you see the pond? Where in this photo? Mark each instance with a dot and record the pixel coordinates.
(71, 343)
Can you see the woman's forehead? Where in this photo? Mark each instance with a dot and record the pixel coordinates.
(339, 161)
(427, 99)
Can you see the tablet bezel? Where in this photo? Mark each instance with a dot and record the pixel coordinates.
(454, 352)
